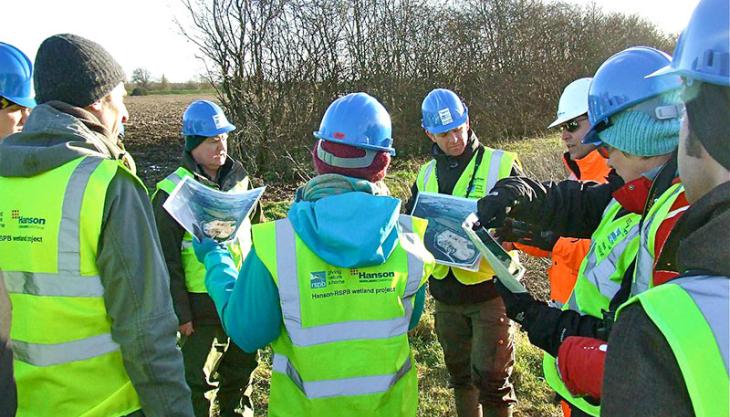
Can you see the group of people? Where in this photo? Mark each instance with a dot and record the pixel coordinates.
(117, 310)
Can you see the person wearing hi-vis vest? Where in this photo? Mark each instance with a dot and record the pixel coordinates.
(584, 163)
(471, 324)
(16, 100)
(635, 124)
(671, 343)
(335, 286)
(93, 331)
(204, 343)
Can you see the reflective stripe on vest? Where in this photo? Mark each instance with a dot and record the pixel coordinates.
(495, 165)
(193, 269)
(492, 177)
(68, 282)
(344, 344)
(600, 274)
(362, 385)
(61, 330)
(692, 314)
(644, 272)
(291, 304)
(613, 248)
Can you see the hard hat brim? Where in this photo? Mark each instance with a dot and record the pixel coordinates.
(694, 75)
(390, 150)
(560, 120)
(444, 128)
(591, 137)
(22, 101)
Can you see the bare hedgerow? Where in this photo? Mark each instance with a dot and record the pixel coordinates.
(277, 64)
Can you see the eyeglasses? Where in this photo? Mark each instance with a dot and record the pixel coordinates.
(572, 125)
(604, 150)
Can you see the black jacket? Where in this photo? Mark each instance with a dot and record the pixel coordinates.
(448, 171)
(195, 307)
(574, 209)
(639, 359)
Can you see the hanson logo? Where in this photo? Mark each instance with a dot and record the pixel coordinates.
(15, 214)
(375, 275)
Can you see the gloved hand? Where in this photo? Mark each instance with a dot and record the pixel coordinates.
(581, 362)
(492, 209)
(526, 234)
(518, 305)
(202, 248)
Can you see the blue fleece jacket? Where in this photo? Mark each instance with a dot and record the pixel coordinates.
(354, 229)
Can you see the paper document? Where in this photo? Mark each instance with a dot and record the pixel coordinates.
(508, 270)
(445, 238)
(205, 212)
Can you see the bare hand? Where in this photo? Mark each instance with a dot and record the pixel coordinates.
(186, 329)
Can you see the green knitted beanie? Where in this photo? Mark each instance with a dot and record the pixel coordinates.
(637, 133)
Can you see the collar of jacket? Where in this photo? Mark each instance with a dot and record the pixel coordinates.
(634, 195)
(593, 167)
(113, 146)
(703, 233)
(229, 174)
(454, 162)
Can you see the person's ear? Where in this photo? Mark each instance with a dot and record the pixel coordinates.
(430, 136)
(95, 107)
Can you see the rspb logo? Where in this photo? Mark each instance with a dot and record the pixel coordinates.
(318, 279)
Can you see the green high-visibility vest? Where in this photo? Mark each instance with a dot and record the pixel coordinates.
(495, 164)
(692, 314)
(614, 245)
(238, 248)
(644, 272)
(65, 361)
(344, 347)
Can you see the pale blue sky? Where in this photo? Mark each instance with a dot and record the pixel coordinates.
(141, 33)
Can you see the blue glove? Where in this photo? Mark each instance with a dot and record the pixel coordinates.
(202, 248)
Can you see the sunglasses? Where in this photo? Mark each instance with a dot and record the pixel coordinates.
(572, 125)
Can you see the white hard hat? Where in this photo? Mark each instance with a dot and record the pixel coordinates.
(573, 101)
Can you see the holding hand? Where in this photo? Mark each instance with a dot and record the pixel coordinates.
(526, 234)
(518, 305)
(492, 209)
(202, 248)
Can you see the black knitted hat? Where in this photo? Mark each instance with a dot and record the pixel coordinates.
(74, 70)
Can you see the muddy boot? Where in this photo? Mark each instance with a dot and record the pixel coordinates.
(467, 402)
(498, 412)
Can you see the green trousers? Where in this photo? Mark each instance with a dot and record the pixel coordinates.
(213, 360)
(478, 344)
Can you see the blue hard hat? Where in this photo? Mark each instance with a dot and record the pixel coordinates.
(205, 118)
(621, 82)
(702, 51)
(442, 110)
(358, 120)
(16, 76)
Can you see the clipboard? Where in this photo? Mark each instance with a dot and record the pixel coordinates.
(508, 271)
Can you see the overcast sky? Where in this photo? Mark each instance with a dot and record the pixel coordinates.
(141, 33)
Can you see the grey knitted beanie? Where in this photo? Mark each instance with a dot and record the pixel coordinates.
(74, 70)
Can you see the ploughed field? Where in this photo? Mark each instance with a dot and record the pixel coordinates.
(152, 137)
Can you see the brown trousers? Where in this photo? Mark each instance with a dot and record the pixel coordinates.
(478, 344)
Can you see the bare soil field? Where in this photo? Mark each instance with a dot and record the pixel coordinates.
(152, 134)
